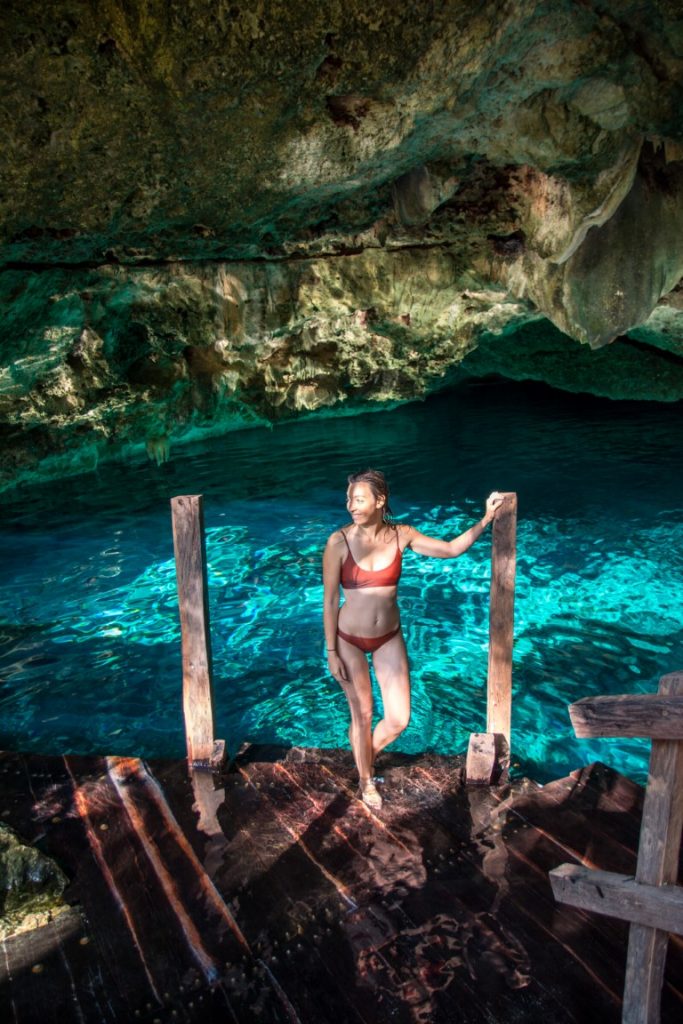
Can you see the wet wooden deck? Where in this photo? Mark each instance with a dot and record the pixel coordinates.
(272, 894)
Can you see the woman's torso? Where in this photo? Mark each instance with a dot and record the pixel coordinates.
(370, 607)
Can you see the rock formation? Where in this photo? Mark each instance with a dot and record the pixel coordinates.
(31, 886)
(218, 214)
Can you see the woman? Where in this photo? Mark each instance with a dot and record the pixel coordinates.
(365, 559)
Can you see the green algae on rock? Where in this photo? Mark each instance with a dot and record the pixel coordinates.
(31, 886)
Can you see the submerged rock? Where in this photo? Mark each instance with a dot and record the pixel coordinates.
(216, 216)
(31, 886)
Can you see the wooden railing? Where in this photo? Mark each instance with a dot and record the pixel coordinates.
(651, 901)
(203, 749)
(488, 755)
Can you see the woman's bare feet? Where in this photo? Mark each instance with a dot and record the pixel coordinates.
(369, 795)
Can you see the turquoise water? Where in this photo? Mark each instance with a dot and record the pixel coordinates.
(89, 634)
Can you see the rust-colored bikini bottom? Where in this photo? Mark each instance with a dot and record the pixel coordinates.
(368, 644)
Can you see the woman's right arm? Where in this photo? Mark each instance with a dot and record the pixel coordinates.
(331, 580)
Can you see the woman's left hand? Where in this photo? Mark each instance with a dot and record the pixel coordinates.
(493, 503)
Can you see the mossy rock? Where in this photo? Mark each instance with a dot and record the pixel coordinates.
(31, 886)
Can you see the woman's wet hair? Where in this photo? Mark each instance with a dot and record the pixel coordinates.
(377, 482)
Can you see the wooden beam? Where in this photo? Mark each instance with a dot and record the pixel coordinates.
(190, 557)
(658, 853)
(501, 618)
(652, 715)
(619, 896)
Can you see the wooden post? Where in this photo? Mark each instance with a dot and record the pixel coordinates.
(501, 617)
(652, 901)
(658, 850)
(190, 556)
(488, 756)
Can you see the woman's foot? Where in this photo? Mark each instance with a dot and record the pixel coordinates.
(369, 795)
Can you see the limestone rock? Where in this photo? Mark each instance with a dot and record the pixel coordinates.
(616, 276)
(31, 886)
(540, 352)
(216, 215)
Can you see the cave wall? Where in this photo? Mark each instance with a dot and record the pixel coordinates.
(215, 215)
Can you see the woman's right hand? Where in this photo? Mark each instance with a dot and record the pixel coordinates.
(336, 667)
(493, 503)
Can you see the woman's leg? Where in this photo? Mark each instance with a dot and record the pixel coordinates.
(393, 675)
(358, 690)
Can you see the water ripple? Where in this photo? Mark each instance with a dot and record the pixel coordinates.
(89, 633)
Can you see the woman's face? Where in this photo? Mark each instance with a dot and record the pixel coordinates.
(361, 503)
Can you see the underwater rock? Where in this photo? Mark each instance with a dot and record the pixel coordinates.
(31, 886)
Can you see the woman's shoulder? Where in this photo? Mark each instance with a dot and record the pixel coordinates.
(405, 534)
(338, 537)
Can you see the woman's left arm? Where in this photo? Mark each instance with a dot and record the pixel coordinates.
(436, 548)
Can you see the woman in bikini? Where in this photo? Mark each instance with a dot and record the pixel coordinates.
(365, 559)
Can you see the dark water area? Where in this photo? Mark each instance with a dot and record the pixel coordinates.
(89, 633)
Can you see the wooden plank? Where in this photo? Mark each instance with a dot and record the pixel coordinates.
(452, 903)
(295, 927)
(364, 862)
(658, 853)
(606, 892)
(454, 915)
(552, 833)
(164, 914)
(501, 617)
(190, 557)
(339, 838)
(650, 715)
(288, 913)
(520, 903)
(133, 952)
(45, 956)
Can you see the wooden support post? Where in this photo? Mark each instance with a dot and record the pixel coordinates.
(652, 902)
(658, 851)
(488, 756)
(501, 618)
(190, 557)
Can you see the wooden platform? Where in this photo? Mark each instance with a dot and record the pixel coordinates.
(272, 894)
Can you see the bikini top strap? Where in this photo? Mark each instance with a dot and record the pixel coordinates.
(346, 541)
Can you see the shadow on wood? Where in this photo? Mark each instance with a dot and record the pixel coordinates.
(270, 893)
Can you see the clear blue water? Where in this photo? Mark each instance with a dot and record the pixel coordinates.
(89, 634)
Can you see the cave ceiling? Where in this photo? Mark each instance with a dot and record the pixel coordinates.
(220, 214)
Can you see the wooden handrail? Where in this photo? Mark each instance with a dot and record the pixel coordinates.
(650, 715)
(203, 750)
(652, 901)
(488, 755)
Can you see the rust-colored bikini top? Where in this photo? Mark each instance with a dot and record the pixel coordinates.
(353, 577)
